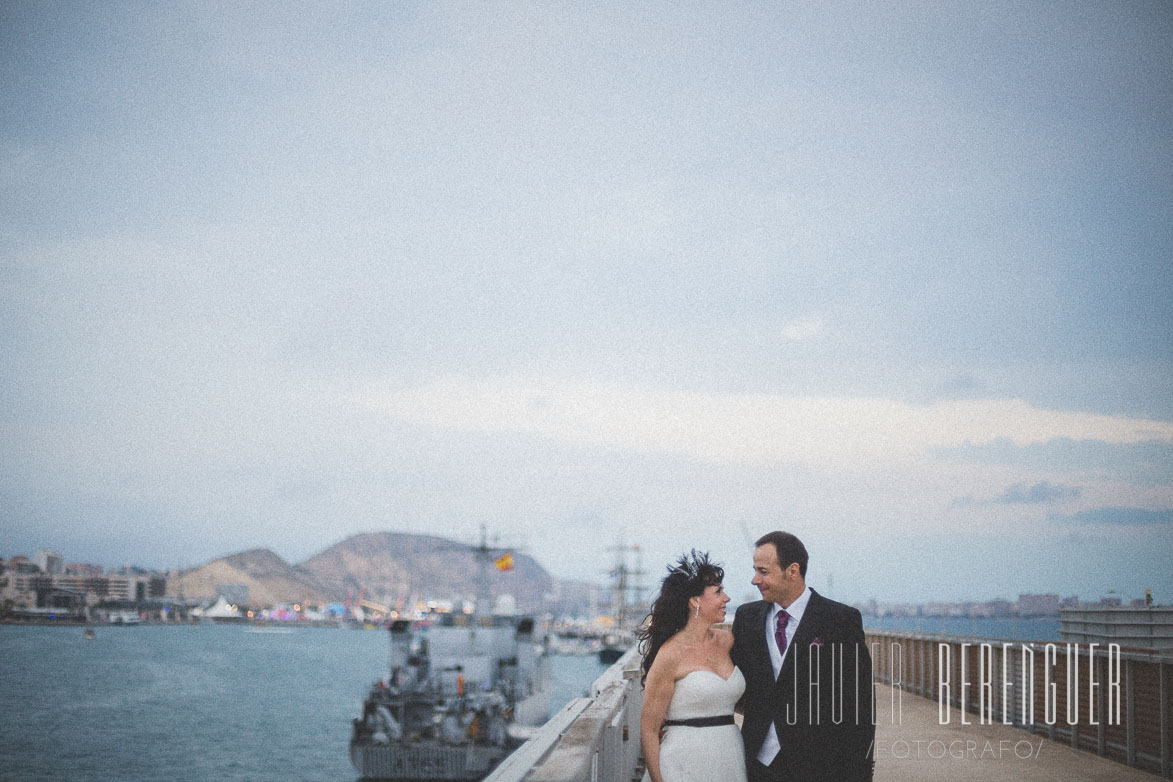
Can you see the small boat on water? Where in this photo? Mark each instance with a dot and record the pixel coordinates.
(89, 634)
(462, 693)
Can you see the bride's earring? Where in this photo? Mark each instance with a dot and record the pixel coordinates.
(698, 610)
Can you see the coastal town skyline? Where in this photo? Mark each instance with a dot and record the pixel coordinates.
(894, 279)
(50, 561)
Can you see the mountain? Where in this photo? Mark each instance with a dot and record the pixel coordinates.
(269, 578)
(394, 567)
(389, 568)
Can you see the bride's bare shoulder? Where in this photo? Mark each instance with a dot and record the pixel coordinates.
(670, 653)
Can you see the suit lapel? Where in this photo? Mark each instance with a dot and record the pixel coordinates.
(762, 652)
(807, 631)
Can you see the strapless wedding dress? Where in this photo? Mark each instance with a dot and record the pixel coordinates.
(708, 754)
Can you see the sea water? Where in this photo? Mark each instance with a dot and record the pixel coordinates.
(195, 702)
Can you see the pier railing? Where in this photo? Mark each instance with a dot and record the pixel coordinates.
(595, 738)
(1112, 701)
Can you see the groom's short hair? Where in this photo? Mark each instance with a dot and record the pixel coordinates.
(789, 548)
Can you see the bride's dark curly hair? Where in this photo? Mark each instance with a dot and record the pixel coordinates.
(687, 578)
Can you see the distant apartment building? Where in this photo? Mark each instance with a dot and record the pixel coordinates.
(21, 564)
(51, 563)
(36, 589)
(994, 609)
(83, 569)
(1038, 605)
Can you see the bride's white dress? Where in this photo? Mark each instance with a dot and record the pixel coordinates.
(710, 754)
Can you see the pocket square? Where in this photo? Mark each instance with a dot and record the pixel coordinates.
(817, 642)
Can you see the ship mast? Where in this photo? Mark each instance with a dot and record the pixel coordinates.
(484, 599)
(624, 585)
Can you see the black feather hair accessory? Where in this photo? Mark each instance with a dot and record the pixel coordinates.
(692, 572)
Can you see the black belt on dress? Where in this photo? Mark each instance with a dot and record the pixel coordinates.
(702, 722)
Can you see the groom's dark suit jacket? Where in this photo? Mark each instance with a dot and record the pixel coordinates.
(825, 728)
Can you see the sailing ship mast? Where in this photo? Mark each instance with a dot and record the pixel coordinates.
(626, 614)
(626, 587)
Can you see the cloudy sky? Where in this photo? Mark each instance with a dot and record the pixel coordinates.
(894, 277)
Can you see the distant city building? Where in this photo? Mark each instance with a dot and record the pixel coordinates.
(993, 609)
(22, 564)
(130, 570)
(1027, 605)
(39, 590)
(896, 609)
(83, 569)
(51, 563)
(1038, 605)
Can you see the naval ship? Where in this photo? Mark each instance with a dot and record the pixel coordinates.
(462, 692)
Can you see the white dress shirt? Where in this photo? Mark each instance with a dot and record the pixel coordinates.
(771, 745)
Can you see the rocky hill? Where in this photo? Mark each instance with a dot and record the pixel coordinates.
(391, 567)
(269, 578)
(388, 568)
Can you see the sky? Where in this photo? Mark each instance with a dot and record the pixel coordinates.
(894, 277)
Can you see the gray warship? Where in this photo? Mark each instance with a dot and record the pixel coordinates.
(462, 692)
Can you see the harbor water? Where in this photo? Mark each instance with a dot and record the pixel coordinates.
(193, 702)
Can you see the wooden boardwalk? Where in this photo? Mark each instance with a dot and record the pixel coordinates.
(914, 747)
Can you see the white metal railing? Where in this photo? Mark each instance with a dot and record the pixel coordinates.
(596, 739)
(593, 739)
(1130, 722)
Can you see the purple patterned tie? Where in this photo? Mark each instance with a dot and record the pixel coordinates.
(780, 631)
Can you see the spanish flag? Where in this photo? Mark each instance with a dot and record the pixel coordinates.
(505, 561)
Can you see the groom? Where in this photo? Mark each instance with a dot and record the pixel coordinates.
(808, 694)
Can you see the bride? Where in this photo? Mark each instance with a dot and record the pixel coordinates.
(690, 684)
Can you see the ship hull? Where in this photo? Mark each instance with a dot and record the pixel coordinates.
(417, 761)
(609, 655)
(458, 691)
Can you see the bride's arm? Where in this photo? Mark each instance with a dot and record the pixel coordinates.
(658, 691)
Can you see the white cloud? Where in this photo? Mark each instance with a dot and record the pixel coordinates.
(754, 429)
(803, 329)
